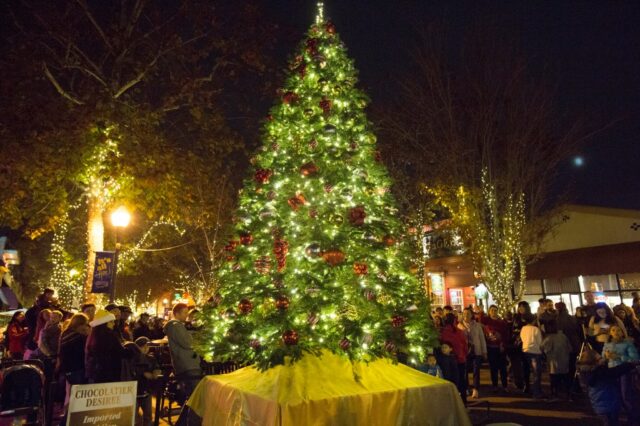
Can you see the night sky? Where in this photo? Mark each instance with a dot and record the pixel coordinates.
(588, 51)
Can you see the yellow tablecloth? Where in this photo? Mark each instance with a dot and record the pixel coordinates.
(322, 391)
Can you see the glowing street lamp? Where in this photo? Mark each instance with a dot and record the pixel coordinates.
(120, 218)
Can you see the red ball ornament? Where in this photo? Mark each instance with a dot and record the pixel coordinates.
(231, 246)
(269, 117)
(388, 240)
(325, 105)
(290, 337)
(246, 239)
(333, 257)
(245, 306)
(398, 321)
(262, 176)
(302, 70)
(331, 29)
(312, 46)
(254, 343)
(360, 268)
(308, 169)
(345, 344)
(282, 303)
(289, 98)
(357, 216)
(378, 157)
(296, 201)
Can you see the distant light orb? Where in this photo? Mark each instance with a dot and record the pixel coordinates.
(578, 161)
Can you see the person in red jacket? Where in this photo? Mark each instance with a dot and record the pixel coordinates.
(456, 338)
(497, 335)
(17, 333)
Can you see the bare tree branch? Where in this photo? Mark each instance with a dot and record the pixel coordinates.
(59, 88)
(95, 24)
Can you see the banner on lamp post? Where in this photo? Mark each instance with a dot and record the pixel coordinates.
(103, 271)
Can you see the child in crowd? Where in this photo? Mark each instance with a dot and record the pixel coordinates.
(447, 362)
(557, 349)
(618, 351)
(531, 338)
(602, 385)
(431, 367)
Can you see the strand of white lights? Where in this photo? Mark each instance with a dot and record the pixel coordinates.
(130, 255)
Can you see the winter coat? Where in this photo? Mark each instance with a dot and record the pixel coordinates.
(50, 339)
(570, 328)
(475, 337)
(496, 332)
(103, 355)
(183, 358)
(557, 349)
(603, 387)
(17, 338)
(134, 367)
(71, 352)
(31, 320)
(625, 350)
(141, 330)
(448, 366)
(458, 342)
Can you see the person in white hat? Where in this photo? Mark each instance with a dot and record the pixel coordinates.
(104, 353)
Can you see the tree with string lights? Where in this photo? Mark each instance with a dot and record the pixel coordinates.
(317, 260)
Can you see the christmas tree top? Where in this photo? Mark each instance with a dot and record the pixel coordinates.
(317, 260)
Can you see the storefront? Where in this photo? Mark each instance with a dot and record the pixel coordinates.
(593, 249)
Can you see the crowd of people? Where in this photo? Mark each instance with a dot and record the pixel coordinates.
(104, 345)
(598, 341)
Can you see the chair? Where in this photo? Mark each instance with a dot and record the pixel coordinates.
(23, 391)
(170, 393)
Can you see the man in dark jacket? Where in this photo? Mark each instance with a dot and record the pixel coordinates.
(186, 363)
(43, 301)
(141, 328)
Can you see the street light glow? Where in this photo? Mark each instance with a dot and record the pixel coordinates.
(120, 218)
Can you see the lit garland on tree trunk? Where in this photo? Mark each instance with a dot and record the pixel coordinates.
(492, 227)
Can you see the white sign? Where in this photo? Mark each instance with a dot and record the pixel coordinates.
(103, 404)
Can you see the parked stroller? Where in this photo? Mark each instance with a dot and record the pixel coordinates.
(22, 392)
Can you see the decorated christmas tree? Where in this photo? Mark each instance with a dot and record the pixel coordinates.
(317, 261)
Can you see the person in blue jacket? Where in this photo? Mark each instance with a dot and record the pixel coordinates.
(602, 385)
(617, 351)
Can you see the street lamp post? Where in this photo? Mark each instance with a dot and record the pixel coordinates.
(119, 219)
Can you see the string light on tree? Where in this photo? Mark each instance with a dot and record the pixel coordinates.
(492, 227)
(322, 231)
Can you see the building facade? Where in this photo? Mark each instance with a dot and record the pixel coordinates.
(592, 249)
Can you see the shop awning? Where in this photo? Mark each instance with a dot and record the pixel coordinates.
(601, 260)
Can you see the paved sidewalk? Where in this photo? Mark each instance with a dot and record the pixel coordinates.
(521, 409)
